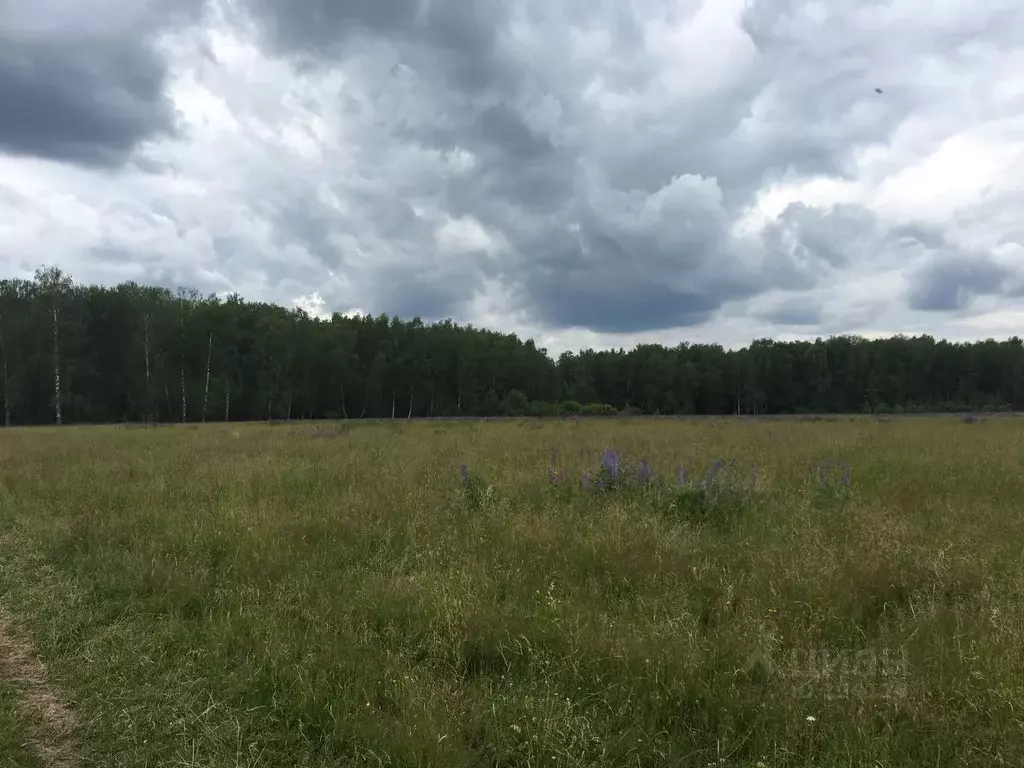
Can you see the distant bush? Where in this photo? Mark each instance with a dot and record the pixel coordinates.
(539, 408)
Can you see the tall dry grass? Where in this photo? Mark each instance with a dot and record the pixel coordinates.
(324, 594)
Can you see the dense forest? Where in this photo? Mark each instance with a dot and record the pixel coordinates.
(73, 353)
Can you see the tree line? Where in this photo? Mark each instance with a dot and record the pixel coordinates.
(73, 353)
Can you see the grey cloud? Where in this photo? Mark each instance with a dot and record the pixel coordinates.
(411, 292)
(949, 281)
(501, 126)
(612, 216)
(303, 221)
(797, 312)
(455, 37)
(540, 149)
(821, 106)
(382, 245)
(151, 268)
(805, 244)
(915, 234)
(634, 262)
(84, 92)
(641, 306)
(325, 26)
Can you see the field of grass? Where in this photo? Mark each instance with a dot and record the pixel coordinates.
(322, 594)
(14, 727)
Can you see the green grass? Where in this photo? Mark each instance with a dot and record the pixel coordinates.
(306, 595)
(14, 728)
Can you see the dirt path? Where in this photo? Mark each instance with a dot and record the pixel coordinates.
(41, 702)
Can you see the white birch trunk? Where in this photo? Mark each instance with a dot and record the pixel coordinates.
(181, 357)
(7, 391)
(206, 389)
(149, 385)
(56, 364)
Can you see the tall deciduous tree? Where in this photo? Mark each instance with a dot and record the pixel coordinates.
(54, 285)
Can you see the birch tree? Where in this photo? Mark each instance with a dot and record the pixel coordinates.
(6, 305)
(206, 388)
(54, 286)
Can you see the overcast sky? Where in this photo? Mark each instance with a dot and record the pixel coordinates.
(585, 172)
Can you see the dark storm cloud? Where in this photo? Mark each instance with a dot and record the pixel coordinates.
(500, 126)
(414, 292)
(457, 38)
(633, 306)
(605, 165)
(635, 263)
(950, 281)
(85, 92)
(545, 161)
(620, 312)
(301, 219)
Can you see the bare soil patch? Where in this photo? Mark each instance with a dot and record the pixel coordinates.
(44, 705)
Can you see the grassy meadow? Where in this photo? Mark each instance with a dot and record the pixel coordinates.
(313, 594)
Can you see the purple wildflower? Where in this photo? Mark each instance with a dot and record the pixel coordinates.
(610, 463)
(683, 476)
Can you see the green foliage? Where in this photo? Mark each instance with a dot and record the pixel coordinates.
(831, 485)
(720, 500)
(715, 507)
(477, 491)
(539, 408)
(136, 353)
(515, 404)
(598, 409)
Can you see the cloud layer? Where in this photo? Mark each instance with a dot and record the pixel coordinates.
(585, 173)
